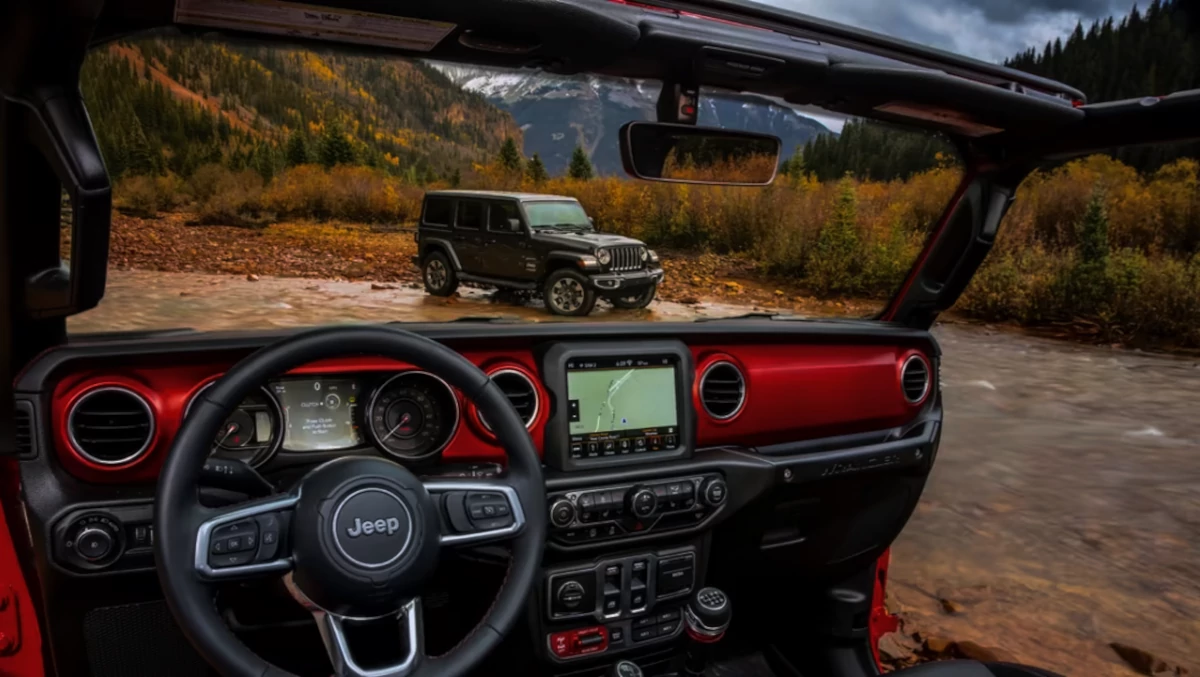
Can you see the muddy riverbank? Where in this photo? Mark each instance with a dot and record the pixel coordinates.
(1063, 513)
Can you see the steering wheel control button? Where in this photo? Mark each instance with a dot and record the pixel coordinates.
(372, 527)
(488, 510)
(270, 529)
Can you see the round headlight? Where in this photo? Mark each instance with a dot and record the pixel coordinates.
(645, 254)
(603, 257)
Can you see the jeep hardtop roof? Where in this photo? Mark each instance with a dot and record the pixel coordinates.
(510, 195)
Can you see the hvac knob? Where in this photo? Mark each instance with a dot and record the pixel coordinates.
(713, 492)
(94, 544)
(562, 513)
(641, 501)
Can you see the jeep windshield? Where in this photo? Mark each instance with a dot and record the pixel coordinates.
(269, 184)
(561, 215)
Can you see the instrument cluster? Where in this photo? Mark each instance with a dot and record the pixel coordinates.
(410, 415)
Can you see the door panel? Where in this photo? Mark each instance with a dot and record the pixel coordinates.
(507, 250)
(469, 218)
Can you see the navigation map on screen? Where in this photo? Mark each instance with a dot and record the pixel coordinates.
(620, 399)
(627, 409)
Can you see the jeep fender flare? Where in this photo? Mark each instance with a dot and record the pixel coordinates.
(561, 259)
(433, 244)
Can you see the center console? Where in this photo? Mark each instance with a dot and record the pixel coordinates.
(623, 556)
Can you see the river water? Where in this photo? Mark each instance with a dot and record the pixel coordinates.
(1063, 512)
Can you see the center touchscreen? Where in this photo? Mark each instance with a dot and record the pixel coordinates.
(318, 414)
(622, 405)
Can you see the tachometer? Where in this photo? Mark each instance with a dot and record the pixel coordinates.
(252, 432)
(413, 415)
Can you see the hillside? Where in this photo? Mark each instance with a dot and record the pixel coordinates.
(174, 103)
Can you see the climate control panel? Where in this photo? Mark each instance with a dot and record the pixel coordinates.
(611, 512)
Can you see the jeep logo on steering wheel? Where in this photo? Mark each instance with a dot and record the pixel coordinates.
(372, 527)
(389, 526)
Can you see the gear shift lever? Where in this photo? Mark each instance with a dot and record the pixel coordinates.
(625, 669)
(707, 617)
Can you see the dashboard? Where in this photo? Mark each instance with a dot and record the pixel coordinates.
(796, 448)
(587, 404)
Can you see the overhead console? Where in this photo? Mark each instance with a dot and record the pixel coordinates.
(617, 404)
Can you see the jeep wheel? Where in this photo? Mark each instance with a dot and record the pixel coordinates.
(568, 293)
(439, 276)
(640, 299)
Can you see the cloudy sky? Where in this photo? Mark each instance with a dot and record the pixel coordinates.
(985, 29)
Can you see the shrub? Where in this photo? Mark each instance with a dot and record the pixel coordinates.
(145, 196)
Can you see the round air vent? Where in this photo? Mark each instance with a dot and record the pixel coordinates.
(520, 391)
(914, 378)
(722, 390)
(111, 425)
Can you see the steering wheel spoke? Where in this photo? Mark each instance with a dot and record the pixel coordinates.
(475, 511)
(245, 541)
(333, 634)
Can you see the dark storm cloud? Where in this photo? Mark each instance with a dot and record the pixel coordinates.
(1019, 11)
(991, 30)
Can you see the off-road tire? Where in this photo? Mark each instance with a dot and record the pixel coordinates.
(438, 274)
(636, 301)
(568, 292)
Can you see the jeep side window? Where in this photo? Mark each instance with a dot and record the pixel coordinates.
(437, 211)
(469, 215)
(503, 218)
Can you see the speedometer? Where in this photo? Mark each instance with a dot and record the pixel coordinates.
(251, 432)
(413, 415)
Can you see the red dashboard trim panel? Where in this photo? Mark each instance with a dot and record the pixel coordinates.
(793, 392)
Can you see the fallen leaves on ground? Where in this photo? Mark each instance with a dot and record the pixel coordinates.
(315, 250)
(360, 252)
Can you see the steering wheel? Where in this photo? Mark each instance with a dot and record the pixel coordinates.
(357, 538)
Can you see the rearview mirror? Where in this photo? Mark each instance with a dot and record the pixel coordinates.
(514, 225)
(657, 151)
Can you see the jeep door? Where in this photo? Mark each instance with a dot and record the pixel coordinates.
(507, 243)
(468, 237)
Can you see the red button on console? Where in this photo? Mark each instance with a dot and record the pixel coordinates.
(580, 642)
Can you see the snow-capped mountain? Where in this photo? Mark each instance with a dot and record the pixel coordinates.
(556, 113)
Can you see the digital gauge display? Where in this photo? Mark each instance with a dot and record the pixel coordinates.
(318, 414)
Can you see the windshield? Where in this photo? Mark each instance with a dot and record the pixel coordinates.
(556, 215)
(267, 185)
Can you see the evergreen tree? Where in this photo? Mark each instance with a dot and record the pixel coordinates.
(833, 268)
(536, 170)
(335, 147)
(510, 157)
(456, 178)
(264, 161)
(581, 166)
(297, 150)
(141, 157)
(1093, 231)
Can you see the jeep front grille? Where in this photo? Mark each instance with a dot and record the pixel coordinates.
(626, 258)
